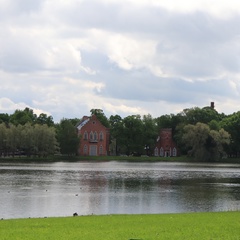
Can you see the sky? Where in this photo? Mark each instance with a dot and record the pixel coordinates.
(66, 57)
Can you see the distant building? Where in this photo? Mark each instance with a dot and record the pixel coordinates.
(94, 137)
(212, 105)
(165, 146)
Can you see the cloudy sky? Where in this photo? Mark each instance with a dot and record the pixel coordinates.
(65, 57)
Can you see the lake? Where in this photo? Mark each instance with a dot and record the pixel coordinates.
(62, 188)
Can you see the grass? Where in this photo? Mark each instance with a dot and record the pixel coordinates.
(221, 225)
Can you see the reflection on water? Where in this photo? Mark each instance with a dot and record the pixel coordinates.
(60, 189)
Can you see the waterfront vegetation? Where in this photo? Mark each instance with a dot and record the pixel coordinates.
(202, 133)
(217, 225)
(143, 158)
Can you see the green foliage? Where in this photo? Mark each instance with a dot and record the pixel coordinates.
(13, 139)
(203, 115)
(3, 138)
(150, 133)
(27, 116)
(198, 226)
(214, 125)
(133, 134)
(116, 133)
(205, 144)
(44, 119)
(67, 136)
(44, 140)
(4, 118)
(100, 116)
(231, 124)
(23, 116)
(37, 140)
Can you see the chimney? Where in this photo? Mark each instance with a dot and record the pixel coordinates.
(212, 105)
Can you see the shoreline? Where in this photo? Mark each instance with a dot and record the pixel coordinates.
(64, 158)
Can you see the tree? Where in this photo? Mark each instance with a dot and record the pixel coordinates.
(205, 144)
(4, 118)
(45, 119)
(214, 125)
(203, 115)
(149, 133)
(45, 142)
(231, 124)
(116, 130)
(67, 137)
(133, 134)
(100, 116)
(164, 121)
(13, 139)
(23, 116)
(27, 139)
(3, 138)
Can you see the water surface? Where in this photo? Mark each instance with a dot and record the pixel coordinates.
(62, 188)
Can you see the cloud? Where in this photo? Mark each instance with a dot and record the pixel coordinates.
(126, 57)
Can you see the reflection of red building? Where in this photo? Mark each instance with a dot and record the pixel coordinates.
(94, 137)
(165, 146)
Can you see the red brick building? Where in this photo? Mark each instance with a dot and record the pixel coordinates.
(165, 146)
(94, 137)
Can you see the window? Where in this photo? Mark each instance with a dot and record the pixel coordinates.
(161, 152)
(85, 150)
(101, 150)
(174, 152)
(101, 136)
(95, 137)
(85, 136)
(91, 136)
(156, 152)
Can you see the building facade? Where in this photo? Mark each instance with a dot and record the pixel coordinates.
(165, 146)
(94, 137)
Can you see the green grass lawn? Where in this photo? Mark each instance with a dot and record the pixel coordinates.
(223, 225)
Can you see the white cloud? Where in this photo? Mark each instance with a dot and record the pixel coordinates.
(126, 57)
(129, 53)
(219, 8)
(7, 105)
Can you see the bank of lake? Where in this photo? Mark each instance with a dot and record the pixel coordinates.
(143, 158)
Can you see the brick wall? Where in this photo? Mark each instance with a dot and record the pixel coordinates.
(94, 137)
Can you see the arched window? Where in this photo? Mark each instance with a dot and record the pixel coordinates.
(95, 137)
(101, 150)
(174, 152)
(85, 150)
(161, 152)
(91, 136)
(101, 136)
(85, 136)
(156, 152)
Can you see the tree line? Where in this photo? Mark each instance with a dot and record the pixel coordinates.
(202, 133)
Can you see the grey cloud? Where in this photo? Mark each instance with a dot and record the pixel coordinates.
(20, 55)
(192, 45)
(143, 86)
(11, 10)
(197, 45)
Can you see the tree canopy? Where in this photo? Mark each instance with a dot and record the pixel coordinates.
(67, 137)
(200, 132)
(205, 144)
